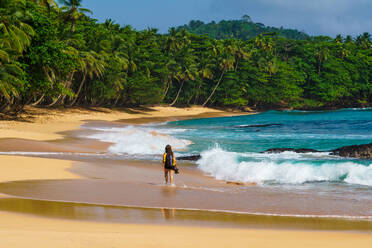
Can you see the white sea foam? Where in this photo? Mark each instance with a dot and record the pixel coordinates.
(289, 155)
(225, 165)
(139, 140)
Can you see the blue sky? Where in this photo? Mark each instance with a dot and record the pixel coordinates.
(316, 17)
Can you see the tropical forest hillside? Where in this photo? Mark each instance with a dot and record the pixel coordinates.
(56, 55)
(243, 29)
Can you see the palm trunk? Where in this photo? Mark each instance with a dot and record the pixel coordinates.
(38, 101)
(218, 83)
(116, 101)
(4, 106)
(68, 86)
(55, 101)
(178, 94)
(236, 65)
(166, 90)
(80, 87)
(100, 102)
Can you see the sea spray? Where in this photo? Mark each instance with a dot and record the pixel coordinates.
(224, 165)
(139, 140)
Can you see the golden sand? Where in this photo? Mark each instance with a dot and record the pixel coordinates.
(47, 124)
(13, 168)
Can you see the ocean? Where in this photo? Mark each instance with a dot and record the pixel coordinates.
(231, 147)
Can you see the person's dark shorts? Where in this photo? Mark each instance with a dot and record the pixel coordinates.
(172, 167)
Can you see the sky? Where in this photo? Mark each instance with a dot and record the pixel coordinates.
(315, 17)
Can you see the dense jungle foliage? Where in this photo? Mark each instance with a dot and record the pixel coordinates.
(243, 29)
(54, 55)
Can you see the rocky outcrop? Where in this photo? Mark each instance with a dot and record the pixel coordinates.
(355, 151)
(300, 150)
(190, 158)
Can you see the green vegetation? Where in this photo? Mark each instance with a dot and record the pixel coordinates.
(243, 29)
(58, 56)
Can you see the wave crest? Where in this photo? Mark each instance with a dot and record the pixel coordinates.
(225, 165)
(138, 140)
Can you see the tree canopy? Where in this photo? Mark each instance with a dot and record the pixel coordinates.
(243, 29)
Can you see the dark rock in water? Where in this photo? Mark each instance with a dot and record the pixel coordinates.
(355, 151)
(260, 125)
(300, 150)
(305, 150)
(190, 158)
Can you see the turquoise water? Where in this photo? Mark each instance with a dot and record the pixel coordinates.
(231, 150)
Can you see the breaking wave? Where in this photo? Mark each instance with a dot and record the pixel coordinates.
(139, 140)
(224, 165)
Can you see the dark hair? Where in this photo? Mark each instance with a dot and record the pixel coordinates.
(168, 149)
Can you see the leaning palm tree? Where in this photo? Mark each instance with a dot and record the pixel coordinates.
(188, 72)
(91, 64)
(227, 62)
(72, 12)
(205, 72)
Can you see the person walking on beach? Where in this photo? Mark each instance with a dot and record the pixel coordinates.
(169, 164)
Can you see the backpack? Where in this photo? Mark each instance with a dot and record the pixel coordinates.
(169, 160)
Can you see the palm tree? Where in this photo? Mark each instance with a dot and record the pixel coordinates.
(73, 12)
(15, 34)
(9, 77)
(45, 3)
(172, 43)
(264, 43)
(71, 51)
(364, 41)
(205, 70)
(91, 64)
(169, 73)
(239, 53)
(188, 72)
(349, 39)
(227, 62)
(339, 39)
(322, 55)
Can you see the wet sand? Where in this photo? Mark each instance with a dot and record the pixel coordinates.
(255, 200)
(175, 217)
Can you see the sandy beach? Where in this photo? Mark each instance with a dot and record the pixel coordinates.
(49, 124)
(78, 178)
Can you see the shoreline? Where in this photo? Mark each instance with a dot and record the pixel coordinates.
(50, 124)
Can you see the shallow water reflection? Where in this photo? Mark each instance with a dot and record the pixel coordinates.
(101, 213)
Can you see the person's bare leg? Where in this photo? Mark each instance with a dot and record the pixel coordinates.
(166, 176)
(171, 176)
